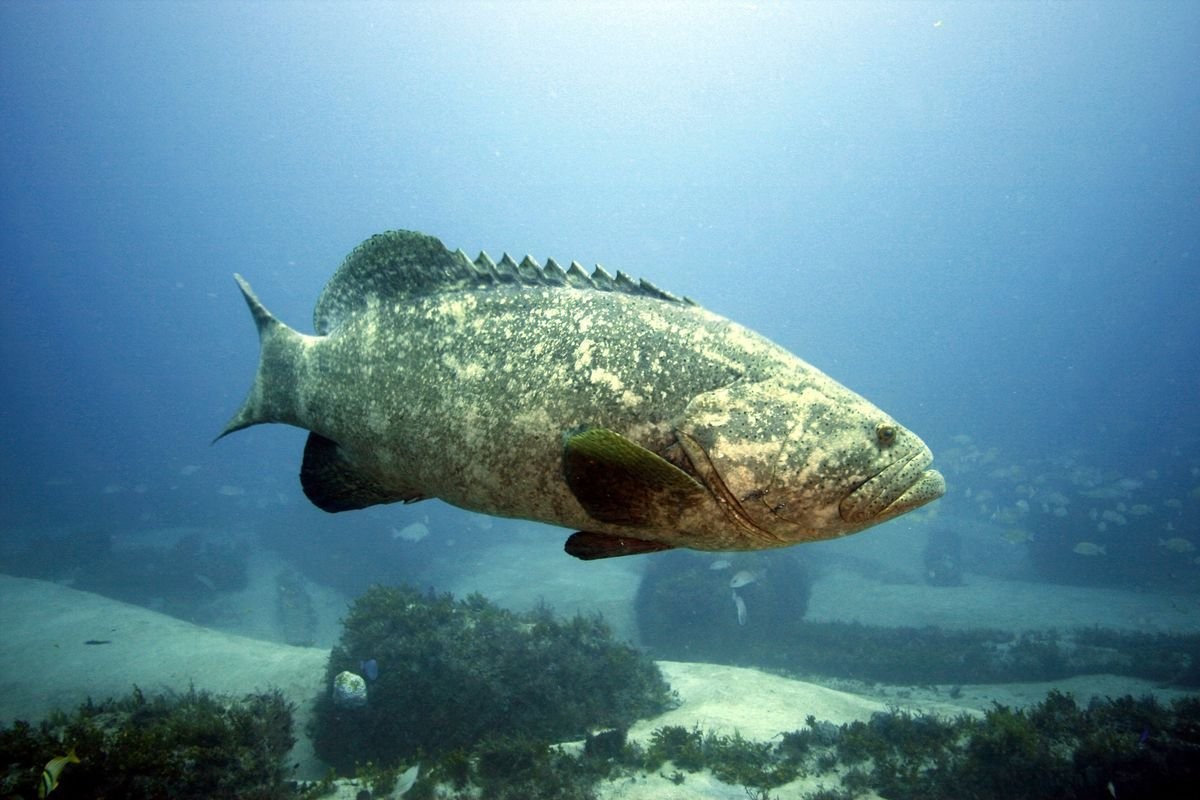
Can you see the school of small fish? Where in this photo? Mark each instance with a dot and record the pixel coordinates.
(1090, 509)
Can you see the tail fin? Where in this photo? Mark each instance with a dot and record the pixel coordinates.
(272, 398)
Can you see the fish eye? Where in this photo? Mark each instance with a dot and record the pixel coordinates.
(886, 434)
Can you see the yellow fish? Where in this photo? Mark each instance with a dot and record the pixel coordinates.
(54, 768)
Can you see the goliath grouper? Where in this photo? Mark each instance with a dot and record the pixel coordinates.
(597, 403)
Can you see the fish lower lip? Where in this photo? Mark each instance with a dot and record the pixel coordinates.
(928, 487)
(901, 486)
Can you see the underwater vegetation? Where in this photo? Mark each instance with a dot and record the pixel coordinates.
(186, 745)
(1055, 750)
(197, 745)
(935, 655)
(732, 759)
(1112, 748)
(516, 768)
(452, 673)
(748, 610)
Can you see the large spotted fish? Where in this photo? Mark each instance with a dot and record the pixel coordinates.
(596, 403)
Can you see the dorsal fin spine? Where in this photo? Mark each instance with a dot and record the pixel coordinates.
(601, 279)
(529, 271)
(401, 264)
(577, 277)
(508, 271)
(485, 263)
(625, 284)
(553, 273)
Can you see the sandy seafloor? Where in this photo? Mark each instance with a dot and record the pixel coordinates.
(45, 663)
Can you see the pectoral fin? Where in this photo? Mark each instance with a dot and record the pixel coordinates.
(589, 546)
(622, 483)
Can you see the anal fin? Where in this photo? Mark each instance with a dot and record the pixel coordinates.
(333, 483)
(589, 546)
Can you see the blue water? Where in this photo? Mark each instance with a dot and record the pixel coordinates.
(982, 217)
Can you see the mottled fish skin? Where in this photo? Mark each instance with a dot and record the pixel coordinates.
(428, 380)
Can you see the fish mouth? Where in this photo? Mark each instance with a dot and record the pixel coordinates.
(901, 486)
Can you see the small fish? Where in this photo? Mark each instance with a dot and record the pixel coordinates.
(406, 781)
(720, 563)
(98, 641)
(1017, 536)
(744, 577)
(1090, 549)
(369, 669)
(54, 768)
(740, 604)
(1177, 544)
(1115, 517)
(411, 533)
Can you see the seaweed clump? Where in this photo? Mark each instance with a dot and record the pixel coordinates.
(732, 759)
(1055, 750)
(1113, 748)
(178, 745)
(935, 655)
(454, 673)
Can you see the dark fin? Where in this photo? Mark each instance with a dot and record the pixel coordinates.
(399, 264)
(590, 546)
(333, 484)
(272, 397)
(622, 483)
(388, 266)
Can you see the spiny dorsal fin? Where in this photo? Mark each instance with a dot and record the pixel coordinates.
(398, 264)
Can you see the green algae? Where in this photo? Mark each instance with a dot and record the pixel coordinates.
(453, 673)
(179, 745)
